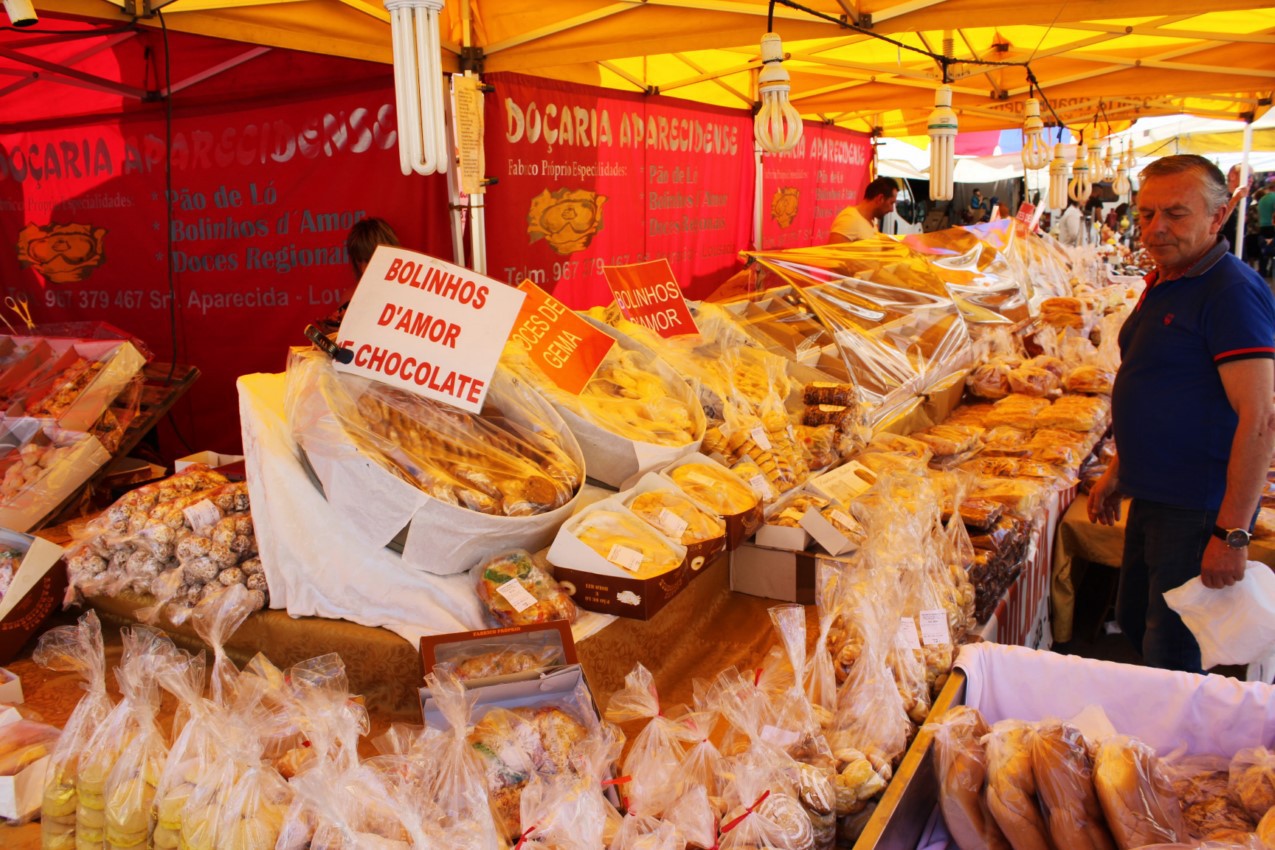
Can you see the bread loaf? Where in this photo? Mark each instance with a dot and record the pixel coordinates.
(1064, 781)
(962, 767)
(1136, 795)
(1011, 787)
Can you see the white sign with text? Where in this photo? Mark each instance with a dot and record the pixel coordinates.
(427, 326)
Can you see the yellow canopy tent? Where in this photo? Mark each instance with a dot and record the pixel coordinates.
(1204, 57)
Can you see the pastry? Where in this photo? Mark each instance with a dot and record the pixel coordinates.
(962, 771)
(714, 487)
(1136, 795)
(627, 542)
(1011, 787)
(1089, 379)
(676, 516)
(820, 393)
(1064, 781)
(537, 598)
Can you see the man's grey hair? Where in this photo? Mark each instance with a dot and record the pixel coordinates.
(1212, 180)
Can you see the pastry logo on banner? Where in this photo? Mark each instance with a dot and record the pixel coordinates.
(649, 295)
(567, 349)
(428, 327)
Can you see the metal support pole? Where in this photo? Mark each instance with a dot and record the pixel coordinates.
(1241, 210)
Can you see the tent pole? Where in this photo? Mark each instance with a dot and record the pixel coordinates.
(757, 196)
(457, 202)
(478, 232)
(1241, 217)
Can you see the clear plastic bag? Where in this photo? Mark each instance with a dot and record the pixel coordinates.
(1233, 625)
(962, 771)
(1011, 786)
(509, 461)
(76, 650)
(655, 757)
(1210, 810)
(1063, 772)
(194, 740)
(1136, 794)
(1252, 780)
(517, 591)
(570, 811)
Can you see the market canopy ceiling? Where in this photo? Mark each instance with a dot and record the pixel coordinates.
(1204, 57)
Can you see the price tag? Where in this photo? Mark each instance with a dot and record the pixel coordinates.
(907, 636)
(672, 524)
(648, 295)
(934, 631)
(564, 346)
(516, 595)
(761, 487)
(625, 556)
(202, 516)
(761, 438)
(701, 478)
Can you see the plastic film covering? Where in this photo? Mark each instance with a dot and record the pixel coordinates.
(896, 328)
(979, 275)
(632, 395)
(512, 460)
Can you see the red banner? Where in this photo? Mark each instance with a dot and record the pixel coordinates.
(590, 177)
(805, 188)
(261, 200)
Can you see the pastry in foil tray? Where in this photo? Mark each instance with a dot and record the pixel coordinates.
(627, 542)
(676, 516)
(487, 463)
(518, 592)
(714, 487)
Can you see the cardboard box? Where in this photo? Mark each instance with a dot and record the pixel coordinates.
(558, 687)
(35, 592)
(10, 687)
(698, 555)
(22, 793)
(550, 641)
(596, 584)
(778, 573)
(739, 527)
(211, 459)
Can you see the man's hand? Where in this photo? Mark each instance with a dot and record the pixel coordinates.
(1222, 566)
(1104, 499)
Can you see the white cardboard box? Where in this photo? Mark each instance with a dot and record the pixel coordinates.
(212, 459)
(21, 794)
(10, 687)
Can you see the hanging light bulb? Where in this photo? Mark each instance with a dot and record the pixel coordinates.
(418, 86)
(1095, 163)
(1058, 179)
(942, 127)
(777, 126)
(1081, 185)
(1121, 186)
(1108, 165)
(1035, 148)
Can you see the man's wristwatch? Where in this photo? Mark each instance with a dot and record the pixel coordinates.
(1235, 538)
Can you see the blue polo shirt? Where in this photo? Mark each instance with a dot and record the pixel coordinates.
(1173, 423)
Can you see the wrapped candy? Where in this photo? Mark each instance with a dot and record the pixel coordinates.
(77, 650)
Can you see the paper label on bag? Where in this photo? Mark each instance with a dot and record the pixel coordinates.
(701, 478)
(782, 738)
(934, 631)
(761, 486)
(516, 595)
(624, 556)
(761, 438)
(202, 516)
(672, 524)
(907, 636)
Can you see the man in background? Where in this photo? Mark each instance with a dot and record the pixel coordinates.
(1191, 409)
(859, 221)
(1071, 225)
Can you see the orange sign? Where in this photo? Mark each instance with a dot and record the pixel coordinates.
(649, 295)
(565, 347)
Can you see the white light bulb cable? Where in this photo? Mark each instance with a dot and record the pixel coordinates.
(1081, 185)
(942, 130)
(1035, 148)
(1058, 179)
(777, 126)
(418, 86)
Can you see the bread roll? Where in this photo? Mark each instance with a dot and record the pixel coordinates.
(1266, 830)
(962, 767)
(1011, 787)
(1136, 795)
(1064, 781)
(1252, 780)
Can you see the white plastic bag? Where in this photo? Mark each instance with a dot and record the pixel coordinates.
(1234, 625)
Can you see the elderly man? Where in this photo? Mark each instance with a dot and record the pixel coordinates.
(1191, 408)
(859, 221)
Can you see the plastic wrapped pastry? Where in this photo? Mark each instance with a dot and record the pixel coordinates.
(1136, 795)
(676, 516)
(1018, 411)
(518, 592)
(1076, 413)
(1089, 379)
(962, 770)
(624, 540)
(1064, 781)
(714, 487)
